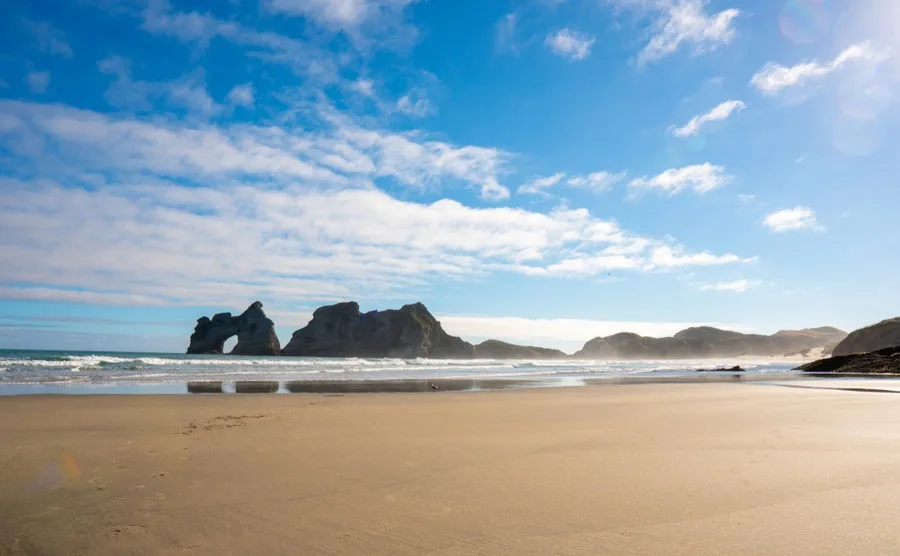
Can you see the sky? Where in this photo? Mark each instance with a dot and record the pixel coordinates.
(538, 171)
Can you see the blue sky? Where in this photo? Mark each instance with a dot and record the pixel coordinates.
(541, 171)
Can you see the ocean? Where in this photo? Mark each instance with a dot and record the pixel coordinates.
(24, 371)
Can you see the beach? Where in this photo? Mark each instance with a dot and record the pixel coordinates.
(668, 469)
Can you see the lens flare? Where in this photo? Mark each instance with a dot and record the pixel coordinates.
(805, 21)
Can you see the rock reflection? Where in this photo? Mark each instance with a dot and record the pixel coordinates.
(256, 387)
(402, 386)
(204, 387)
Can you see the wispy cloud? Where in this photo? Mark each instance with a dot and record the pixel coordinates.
(774, 78)
(505, 33)
(719, 113)
(187, 92)
(570, 44)
(540, 185)
(797, 218)
(241, 95)
(50, 40)
(701, 178)
(737, 286)
(597, 182)
(414, 103)
(685, 23)
(38, 81)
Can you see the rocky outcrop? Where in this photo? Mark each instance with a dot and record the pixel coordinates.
(884, 361)
(495, 349)
(885, 334)
(255, 333)
(706, 341)
(341, 330)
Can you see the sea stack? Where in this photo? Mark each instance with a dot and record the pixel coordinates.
(341, 330)
(255, 333)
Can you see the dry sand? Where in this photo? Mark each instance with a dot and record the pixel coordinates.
(705, 469)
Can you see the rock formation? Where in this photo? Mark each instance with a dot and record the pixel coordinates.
(885, 334)
(705, 341)
(255, 333)
(495, 349)
(884, 361)
(342, 331)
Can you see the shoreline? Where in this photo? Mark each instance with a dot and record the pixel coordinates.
(410, 386)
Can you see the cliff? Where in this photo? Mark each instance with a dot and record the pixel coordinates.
(341, 330)
(885, 334)
(495, 349)
(705, 341)
(255, 332)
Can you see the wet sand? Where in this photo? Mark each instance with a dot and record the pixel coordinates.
(668, 469)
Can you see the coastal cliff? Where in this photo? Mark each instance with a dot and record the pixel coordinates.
(255, 333)
(706, 341)
(341, 330)
(885, 334)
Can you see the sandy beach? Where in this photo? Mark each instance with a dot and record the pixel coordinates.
(668, 469)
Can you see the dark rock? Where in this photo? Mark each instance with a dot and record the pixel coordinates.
(705, 341)
(884, 361)
(342, 331)
(495, 349)
(882, 335)
(255, 332)
(735, 369)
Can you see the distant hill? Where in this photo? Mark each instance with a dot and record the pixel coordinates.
(495, 349)
(706, 341)
(885, 334)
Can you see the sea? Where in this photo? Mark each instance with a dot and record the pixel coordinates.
(71, 372)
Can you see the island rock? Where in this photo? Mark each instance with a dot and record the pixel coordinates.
(495, 349)
(341, 330)
(255, 333)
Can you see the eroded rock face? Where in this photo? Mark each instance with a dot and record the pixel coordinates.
(882, 335)
(255, 332)
(341, 330)
(884, 361)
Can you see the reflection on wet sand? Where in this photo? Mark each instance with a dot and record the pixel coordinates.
(399, 386)
(256, 386)
(461, 384)
(204, 387)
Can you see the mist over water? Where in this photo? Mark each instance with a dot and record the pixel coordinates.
(60, 368)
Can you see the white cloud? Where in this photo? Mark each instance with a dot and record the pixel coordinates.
(746, 199)
(717, 114)
(539, 186)
(38, 81)
(774, 78)
(702, 178)
(187, 92)
(797, 218)
(241, 95)
(49, 39)
(365, 87)
(570, 44)
(685, 22)
(272, 213)
(339, 14)
(597, 182)
(737, 286)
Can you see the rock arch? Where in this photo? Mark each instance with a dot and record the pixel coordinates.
(255, 333)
